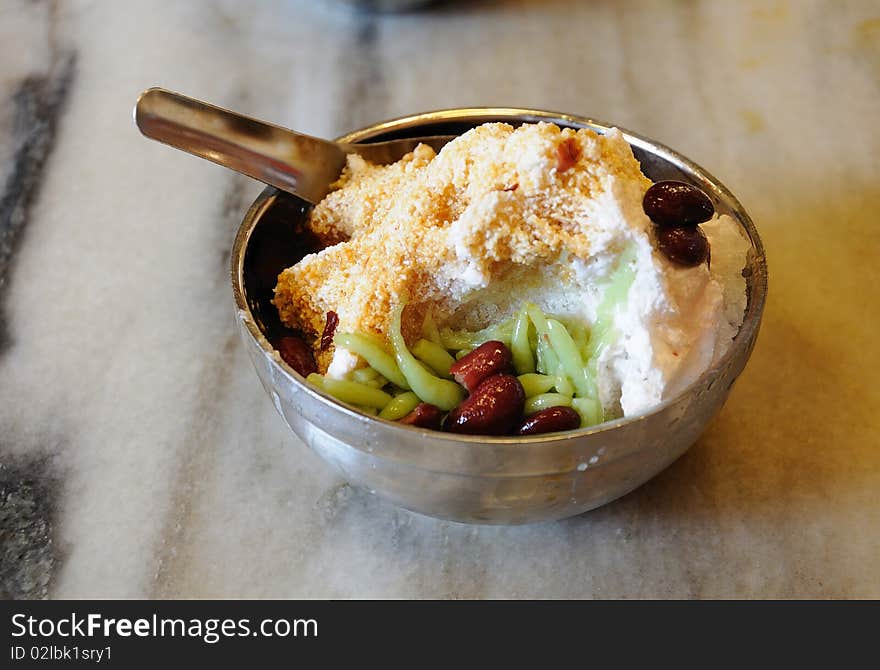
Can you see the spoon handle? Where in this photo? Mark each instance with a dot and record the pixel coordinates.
(293, 162)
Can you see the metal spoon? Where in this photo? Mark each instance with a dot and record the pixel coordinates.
(299, 164)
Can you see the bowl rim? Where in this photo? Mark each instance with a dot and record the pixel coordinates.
(745, 336)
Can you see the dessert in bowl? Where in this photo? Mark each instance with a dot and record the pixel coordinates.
(479, 478)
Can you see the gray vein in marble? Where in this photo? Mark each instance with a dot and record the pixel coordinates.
(39, 101)
(28, 552)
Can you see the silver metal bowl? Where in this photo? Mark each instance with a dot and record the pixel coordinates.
(470, 478)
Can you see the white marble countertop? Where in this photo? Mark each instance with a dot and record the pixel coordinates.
(139, 455)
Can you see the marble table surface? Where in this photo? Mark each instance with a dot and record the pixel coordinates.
(139, 455)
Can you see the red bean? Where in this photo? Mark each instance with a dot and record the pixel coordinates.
(684, 246)
(490, 358)
(494, 408)
(674, 204)
(424, 415)
(550, 420)
(567, 154)
(329, 330)
(297, 354)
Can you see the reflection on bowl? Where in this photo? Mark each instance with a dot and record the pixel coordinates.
(470, 478)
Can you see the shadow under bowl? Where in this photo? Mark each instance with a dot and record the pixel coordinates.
(476, 479)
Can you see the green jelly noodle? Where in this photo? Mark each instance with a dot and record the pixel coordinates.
(520, 345)
(431, 389)
(544, 401)
(400, 406)
(434, 356)
(352, 392)
(535, 384)
(373, 351)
